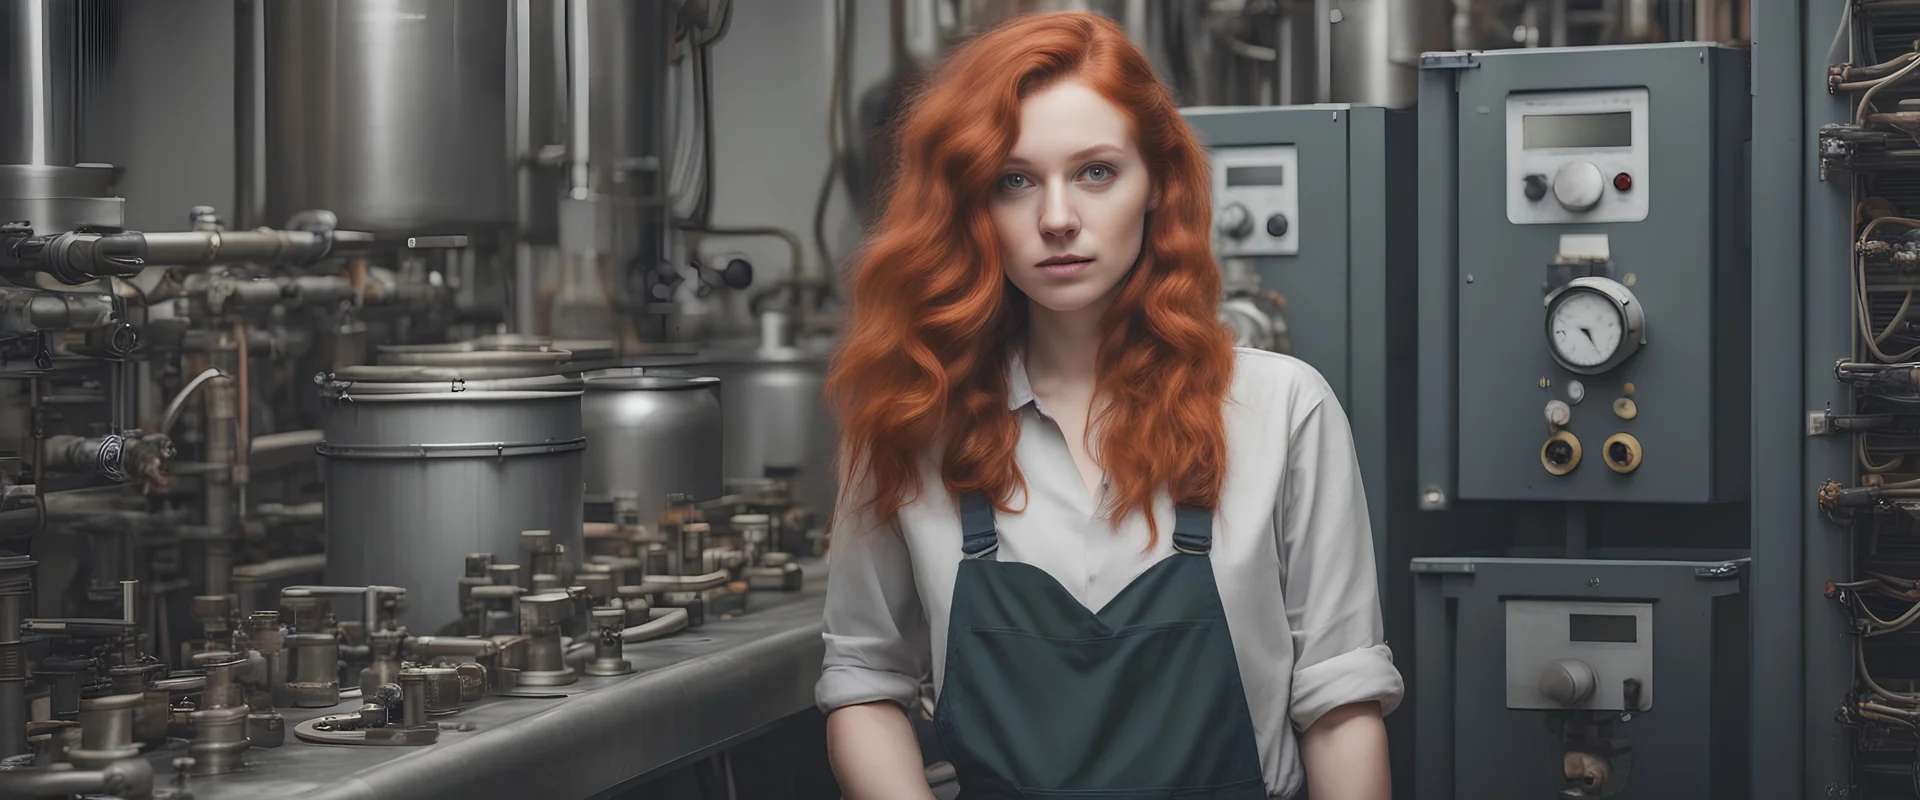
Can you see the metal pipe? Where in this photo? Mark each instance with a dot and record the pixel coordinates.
(469, 647)
(24, 311)
(250, 104)
(243, 432)
(218, 496)
(279, 568)
(660, 622)
(189, 248)
(135, 775)
(273, 451)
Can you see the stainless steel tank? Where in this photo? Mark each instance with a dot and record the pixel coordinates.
(777, 416)
(59, 199)
(425, 465)
(56, 54)
(652, 433)
(394, 114)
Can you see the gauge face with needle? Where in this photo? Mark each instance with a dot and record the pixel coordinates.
(1593, 324)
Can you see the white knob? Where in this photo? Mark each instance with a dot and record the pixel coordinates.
(1558, 413)
(1235, 222)
(1568, 682)
(1578, 185)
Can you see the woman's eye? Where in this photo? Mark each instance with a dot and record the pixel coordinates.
(1099, 173)
(1013, 182)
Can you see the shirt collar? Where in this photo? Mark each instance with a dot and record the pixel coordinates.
(1019, 390)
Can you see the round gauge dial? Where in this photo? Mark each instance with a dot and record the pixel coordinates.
(1593, 325)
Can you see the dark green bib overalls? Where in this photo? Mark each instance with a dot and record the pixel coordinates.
(1044, 698)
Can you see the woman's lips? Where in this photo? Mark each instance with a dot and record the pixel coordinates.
(1066, 269)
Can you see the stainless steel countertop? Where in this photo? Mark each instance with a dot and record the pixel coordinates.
(690, 692)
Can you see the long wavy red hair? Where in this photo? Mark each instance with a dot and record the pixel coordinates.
(933, 315)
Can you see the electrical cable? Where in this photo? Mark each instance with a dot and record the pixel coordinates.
(1846, 17)
(1866, 100)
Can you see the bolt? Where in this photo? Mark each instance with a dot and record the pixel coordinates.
(1593, 582)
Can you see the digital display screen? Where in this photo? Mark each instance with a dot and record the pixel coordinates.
(1603, 628)
(1548, 131)
(1271, 175)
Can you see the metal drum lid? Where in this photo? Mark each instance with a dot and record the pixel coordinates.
(388, 379)
(646, 378)
(478, 358)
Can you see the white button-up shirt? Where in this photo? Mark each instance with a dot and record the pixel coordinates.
(1292, 554)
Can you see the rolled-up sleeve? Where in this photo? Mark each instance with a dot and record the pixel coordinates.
(875, 631)
(1327, 569)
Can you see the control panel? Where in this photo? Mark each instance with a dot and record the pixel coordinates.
(1579, 655)
(1573, 343)
(1577, 156)
(1256, 201)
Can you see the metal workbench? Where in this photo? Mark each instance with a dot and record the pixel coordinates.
(691, 693)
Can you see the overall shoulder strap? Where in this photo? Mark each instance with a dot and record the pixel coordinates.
(980, 539)
(1192, 530)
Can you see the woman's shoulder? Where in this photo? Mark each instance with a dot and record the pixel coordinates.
(1276, 383)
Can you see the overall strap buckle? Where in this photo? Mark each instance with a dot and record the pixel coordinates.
(980, 538)
(1192, 530)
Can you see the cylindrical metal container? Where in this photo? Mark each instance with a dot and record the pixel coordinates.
(427, 465)
(55, 54)
(652, 435)
(394, 114)
(777, 416)
(60, 199)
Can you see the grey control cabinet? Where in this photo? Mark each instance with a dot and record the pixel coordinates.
(1340, 179)
(1496, 636)
(1584, 268)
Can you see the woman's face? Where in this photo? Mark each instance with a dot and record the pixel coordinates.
(1070, 206)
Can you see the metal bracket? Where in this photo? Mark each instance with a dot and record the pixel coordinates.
(1718, 571)
(1453, 59)
(1820, 423)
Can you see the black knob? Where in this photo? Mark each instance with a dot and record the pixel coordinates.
(1559, 453)
(1619, 453)
(1277, 225)
(1536, 187)
(738, 274)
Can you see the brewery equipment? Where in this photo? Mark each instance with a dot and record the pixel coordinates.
(426, 465)
(651, 433)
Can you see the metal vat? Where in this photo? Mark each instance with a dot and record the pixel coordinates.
(650, 435)
(425, 465)
(777, 416)
(394, 114)
(60, 199)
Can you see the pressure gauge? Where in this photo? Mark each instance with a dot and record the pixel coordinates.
(1594, 325)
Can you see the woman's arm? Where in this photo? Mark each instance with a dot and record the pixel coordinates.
(874, 753)
(1345, 753)
(1344, 680)
(877, 650)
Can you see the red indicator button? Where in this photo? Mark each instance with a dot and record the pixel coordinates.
(1623, 181)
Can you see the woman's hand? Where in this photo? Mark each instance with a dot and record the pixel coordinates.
(1345, 753)
(875, 755)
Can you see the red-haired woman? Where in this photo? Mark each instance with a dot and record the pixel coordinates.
(1130, 556)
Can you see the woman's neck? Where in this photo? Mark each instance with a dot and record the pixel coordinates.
(1062, 348)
